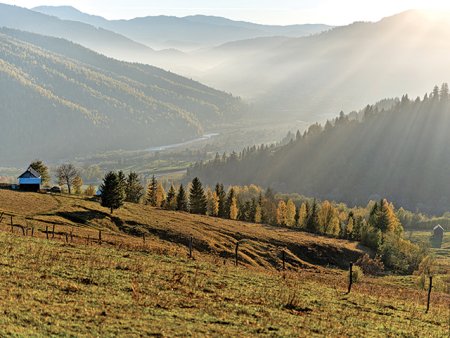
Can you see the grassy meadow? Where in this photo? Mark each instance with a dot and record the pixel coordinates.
(125, 286)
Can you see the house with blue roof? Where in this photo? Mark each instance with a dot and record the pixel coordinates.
(30, 180)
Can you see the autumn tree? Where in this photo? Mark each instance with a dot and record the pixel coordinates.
(77, 185)
(197, 198)
(291, 211)
(233, 208)
(213, 203)
(67, 174)
(90, 190)
(42, 169)
(281, 213)
(302, 215)
(160, 195)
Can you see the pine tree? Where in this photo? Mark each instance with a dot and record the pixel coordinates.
(182, 202)
(113, 194)
(42, 169)
(133, 188)
(197, 198)
(229, 201)
(290, 213)
(312, 223)
(222, 196)
(152, 191)
(171, 200)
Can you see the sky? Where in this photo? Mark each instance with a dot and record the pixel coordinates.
(280, 12)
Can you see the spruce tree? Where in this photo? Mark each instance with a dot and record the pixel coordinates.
(182, 202)
(197, 198)
(230, 197)
(152, 192)
(171, 200)
(312, 223)
(222, 196)
(113, 194)
(133, 188)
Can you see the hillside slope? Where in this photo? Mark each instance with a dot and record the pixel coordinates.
(261, 245)
(54, 287)
(401, 154)
(71, 100)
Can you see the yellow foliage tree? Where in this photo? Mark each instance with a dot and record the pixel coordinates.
(160, 195)
(281, 213)
(234, 209)
(302, 215)
(212, 203)
(290, 213)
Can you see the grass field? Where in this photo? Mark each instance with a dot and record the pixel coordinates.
(125, 287)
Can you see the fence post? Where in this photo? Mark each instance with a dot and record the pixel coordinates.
(283, 255)
(12, 224)
(71, 235)
(32, 231)
(236, 254)
(143, 239)
(87, 239)
(53, 231)
(350, 279)
(46, 231)
(429, 294)
(23, 231)
(190, 246)
(100, 237)
(67, 238)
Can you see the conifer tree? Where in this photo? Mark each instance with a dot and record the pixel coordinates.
(133, 188)
(113, 194)
(160, 195)
(312, 223)
(122, 179)
(281, 213)
(182, 202)
(213, 203)
(197, 198)
(171, 200)
(222, 196)
(302, 215)
(151, 192)
(290, 213)
(233, 208)
(230, 197)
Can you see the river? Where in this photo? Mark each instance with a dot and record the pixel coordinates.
(178, 145)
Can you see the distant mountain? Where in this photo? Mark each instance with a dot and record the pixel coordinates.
(313, 78)
(60, 99)
(98, 39)
(401, 153)
(183, 33)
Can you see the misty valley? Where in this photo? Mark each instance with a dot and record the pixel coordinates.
(197, 175)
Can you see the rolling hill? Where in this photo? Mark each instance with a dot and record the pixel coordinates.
(400, 153)
(60, 99)
(191, 32)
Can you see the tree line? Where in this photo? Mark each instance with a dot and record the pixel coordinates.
(376, 226)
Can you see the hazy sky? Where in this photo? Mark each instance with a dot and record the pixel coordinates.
(336, 12)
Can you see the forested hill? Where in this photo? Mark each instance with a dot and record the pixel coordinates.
(60, 99)
(401, 153)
